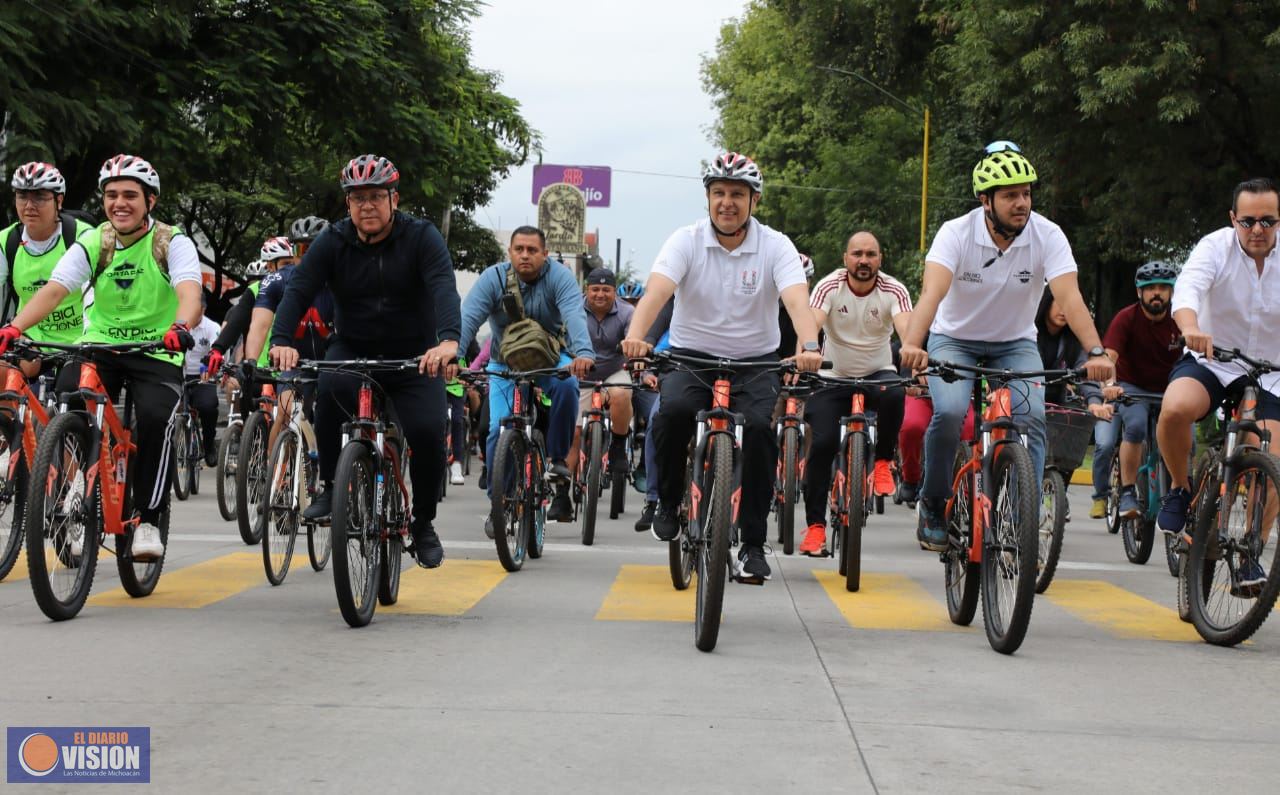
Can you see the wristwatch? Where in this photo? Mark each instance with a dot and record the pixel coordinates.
(1096, 351)
(810, 347)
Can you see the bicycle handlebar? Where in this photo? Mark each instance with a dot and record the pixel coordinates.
(950, 372)
(357, 364)
(93, 347)
(1256, 367)
(667, 358)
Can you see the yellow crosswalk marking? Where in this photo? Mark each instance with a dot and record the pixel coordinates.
(644, 593)
(195, 586)
(450, 590)
(1121, 612)
(887, 601)
(19, 570)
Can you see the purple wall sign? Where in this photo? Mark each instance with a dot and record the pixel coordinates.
(593, 181)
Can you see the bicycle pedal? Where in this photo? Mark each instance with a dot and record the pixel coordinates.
(745, 579)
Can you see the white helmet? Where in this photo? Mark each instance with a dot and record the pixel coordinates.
(256, 269)
(306, 229)
(129, 167)
(276, 248)
(38, 176)
(733, 167)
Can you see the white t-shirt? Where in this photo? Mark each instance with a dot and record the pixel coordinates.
(74, 269)
(727, 301)
(994, 295)
(204, 335)
(859, 327)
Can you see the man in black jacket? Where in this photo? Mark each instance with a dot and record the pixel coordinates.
(394, 297)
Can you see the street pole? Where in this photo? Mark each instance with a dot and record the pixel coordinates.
(924, 181)
(617, 259)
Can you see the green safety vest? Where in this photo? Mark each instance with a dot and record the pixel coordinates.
(455, 386)
(133, 300)
(28, 273)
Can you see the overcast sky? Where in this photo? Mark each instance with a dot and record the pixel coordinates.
(609, 84)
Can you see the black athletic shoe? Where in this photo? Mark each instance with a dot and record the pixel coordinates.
(752, 563)
(646, 517)
(320, 507)
(666, 524)
(427, 548)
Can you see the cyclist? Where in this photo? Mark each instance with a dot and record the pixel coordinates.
(550, 295)
(859, 307)
(32, 246)
(1143, 341)
(1226, 294)
(394, 296)
(631, 292)
(146, 281)
(203, 395)
(727, 274)
(607, 320)
(276, 252)
(659, 337)
(982, 283)
(304, 231)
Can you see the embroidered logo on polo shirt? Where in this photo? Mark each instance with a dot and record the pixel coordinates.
(748, 281)
(1024, 275)
(970, 276)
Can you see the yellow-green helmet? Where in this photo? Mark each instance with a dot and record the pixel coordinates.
(1002, 168)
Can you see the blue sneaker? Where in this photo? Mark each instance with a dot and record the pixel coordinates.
(1248, 578)
(931, 530)
(1173, 512)
(1129, 507)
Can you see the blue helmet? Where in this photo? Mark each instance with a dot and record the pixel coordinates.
(630, 291)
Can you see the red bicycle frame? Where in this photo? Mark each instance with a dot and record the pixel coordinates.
(999, 406)
(114, 449)
(17, 390)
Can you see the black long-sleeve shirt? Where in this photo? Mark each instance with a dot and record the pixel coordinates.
(237, 323)
(394, 298)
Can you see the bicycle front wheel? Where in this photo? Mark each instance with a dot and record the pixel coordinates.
(280, 506)
(507, 504)
(1137, 533)
(251, 472)
(855, 510)
(1009, 550)
(182, 456)
(1233, 573)
(1053, 524)
(961, 575)
(226, 472)
(536, 509)
(13, 497)
(787, 480)
(62, 524)
(357, 542)
(195, 454)
(713, 544)
(593, 441)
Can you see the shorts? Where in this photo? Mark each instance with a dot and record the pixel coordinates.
(584, 395)
(1219, 396)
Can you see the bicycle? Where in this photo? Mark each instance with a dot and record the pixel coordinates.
(851, 497)
(715, 484)
(789, 428)
(85, 497)
(992, 516)
(228, 453)
(24, 413)
(188, 446)
(1138, 533)
(593, 463)
(1068, 431)
(293, 472)
(517, 484)
(1234, 514)
(251, 458)
(467, 378)
(372, 501)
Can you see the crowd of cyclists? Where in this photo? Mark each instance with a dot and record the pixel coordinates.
(999, 290)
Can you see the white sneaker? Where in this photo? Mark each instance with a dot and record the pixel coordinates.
(146, 542)
(455, 474)
(75, 544)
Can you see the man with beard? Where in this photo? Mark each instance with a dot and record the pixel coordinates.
(1143, 342)
(983, 278)
(859, 308)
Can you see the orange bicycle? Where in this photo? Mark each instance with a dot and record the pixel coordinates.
(23, 412)
(82, 496)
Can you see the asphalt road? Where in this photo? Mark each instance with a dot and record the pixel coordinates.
(579, 674)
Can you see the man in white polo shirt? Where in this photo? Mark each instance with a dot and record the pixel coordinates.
(859, 308)
(727, 273)
(983, 279)
(1227, 294)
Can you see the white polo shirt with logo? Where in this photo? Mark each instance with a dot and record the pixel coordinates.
(727, 301)
(994, 295)
(859, 327)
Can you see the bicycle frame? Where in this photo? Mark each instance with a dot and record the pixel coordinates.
(369, 428)
(111, 447)
(997, 422)
(791, 418)
(718, 420)
(26, 404)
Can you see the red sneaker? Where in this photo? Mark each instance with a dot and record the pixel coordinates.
(883, 479)
(815, 538)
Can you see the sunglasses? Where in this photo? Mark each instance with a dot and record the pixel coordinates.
(1265, 223)
(1001, 146)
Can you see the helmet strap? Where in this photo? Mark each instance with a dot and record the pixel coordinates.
(996, 225)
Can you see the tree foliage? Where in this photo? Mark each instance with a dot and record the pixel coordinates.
(249, 108)
(1140, 116)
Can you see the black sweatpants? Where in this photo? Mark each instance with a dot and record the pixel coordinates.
(822, 411)
(752, 394)
(203, 397)
(419, 409)
(156, 389)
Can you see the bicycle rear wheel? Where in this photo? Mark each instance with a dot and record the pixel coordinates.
(1009, 550)
(226, 471)
(855, 485)
(681, 551)
(280, 505)
(789, 449)
(357, 543)
(195, 454)
(250, 476)
(507, 505)
(713, 545)
(319, 535)
(1053, 524)
(1206, 511)
(140, 577)
(593, 443)
(537, 514)
(1136, 532)
(181, 456)
(13, 498)
(1225, 607)
(961, 576)
(62, 525)
(397, 517)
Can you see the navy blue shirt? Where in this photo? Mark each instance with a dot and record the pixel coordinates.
(312, 333)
